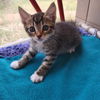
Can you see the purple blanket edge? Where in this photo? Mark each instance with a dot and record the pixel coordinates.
(21, 48)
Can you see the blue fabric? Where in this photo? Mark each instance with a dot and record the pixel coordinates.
(84, 32)
(73, 77)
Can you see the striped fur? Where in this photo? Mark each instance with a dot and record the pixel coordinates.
(46, 65)
(26, 57)
(54, 39)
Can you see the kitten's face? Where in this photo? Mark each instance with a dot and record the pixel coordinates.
(39, 25)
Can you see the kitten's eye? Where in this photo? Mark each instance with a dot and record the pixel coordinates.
(45, 27)
(31, 29)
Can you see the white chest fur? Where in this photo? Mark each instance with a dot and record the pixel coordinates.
(39, 46)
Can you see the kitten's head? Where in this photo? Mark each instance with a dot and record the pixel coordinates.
(39, 25)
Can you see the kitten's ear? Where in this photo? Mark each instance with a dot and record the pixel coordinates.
(51, 12)
(24, 15)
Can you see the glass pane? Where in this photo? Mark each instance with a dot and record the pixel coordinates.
(11, 28)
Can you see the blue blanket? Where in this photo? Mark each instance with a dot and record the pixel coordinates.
(74, 76)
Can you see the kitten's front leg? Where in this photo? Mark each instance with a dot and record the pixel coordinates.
(38, 76)
(24, 60)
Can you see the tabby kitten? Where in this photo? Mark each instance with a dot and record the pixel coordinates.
(47, 37)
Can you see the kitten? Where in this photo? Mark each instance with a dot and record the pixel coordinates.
(47, 37)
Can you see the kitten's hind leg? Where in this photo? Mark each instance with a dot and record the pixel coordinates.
(24, 60)
(71, 50)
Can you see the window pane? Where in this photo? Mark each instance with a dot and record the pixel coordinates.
(11, 28)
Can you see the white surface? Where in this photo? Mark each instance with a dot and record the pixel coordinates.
(16, 42)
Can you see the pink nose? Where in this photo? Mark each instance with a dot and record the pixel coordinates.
(39, 36)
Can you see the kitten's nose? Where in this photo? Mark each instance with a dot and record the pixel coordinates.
(39, 36)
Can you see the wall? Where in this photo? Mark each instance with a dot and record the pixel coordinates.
(88, 11)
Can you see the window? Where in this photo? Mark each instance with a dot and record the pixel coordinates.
(11, 28)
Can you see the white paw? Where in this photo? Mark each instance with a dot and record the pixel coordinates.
(14, 65)
(36, 78)
(71, 50)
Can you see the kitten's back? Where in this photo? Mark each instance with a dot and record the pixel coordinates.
(67, 28)
(68, 32)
